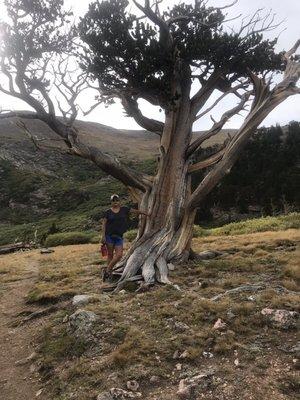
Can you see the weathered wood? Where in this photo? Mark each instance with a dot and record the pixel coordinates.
(162, 271)
(11, 248)
(239, 289)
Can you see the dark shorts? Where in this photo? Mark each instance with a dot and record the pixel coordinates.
(114, 239)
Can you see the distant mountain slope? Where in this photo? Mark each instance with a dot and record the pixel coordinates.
(18, 149)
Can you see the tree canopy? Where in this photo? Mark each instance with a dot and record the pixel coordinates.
(137, 56)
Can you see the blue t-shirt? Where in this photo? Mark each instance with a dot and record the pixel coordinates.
(117, 223)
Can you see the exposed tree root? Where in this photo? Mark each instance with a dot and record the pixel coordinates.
(204, 255)
(42, 313)
(239, 289)
(281, 289)
(253, 288)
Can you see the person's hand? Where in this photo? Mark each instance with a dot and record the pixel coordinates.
(103, 240)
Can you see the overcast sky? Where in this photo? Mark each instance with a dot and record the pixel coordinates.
(287, 10)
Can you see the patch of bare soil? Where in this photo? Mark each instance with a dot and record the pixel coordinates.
(18, 376)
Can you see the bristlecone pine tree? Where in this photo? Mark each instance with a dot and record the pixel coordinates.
(155, 55)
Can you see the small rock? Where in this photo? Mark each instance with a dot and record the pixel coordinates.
(184, 390)
(203, 284)
(251, 298)
(82, 299)
(154, 379)
(46, 251)
(230, 314)
(181, 326)
(132, 385)
(207, 354)
(185, 354)
(122, 394)
(236, 362)
(296, 348)
(219, 325)
(179, 367)
(177, 287)
(186, 386)
(283, 319)
(208, 254)
(39, 393)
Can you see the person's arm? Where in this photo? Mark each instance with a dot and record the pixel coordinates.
(138, 212)
(104, 221)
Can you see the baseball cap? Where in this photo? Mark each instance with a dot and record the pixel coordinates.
(114, 197)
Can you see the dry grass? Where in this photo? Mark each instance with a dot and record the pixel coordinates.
(67, 271)
(138, 334)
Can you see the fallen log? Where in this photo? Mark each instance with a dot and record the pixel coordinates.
(11, 248)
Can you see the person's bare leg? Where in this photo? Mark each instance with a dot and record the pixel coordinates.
(110, 253)
(110, 256)
(116, 258)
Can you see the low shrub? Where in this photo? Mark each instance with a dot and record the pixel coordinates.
(67, 238)
(276, 223)
(130, 235)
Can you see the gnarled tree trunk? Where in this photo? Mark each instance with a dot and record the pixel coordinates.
(166, 235)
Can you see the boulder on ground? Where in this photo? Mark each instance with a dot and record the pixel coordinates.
(208, 254)
(81, 322)
(283, 319)
(82, 299)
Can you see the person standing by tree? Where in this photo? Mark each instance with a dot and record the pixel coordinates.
(114, 225)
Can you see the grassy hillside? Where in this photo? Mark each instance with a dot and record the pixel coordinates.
(34, 202)
(165, 335)
(46, 192)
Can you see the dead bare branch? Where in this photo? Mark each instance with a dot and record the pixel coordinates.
(258, 24)
(216, 128)
(21, 124)
(211, 160)
(233, 90)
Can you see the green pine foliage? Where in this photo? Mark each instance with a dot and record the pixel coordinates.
(267, 174)
(128, 54)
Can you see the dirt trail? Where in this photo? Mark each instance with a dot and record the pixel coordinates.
(17, 342)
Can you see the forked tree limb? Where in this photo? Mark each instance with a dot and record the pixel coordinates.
(264, 102)
(216, 128)
(204, 93)
(233, 90)
(211, 160)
